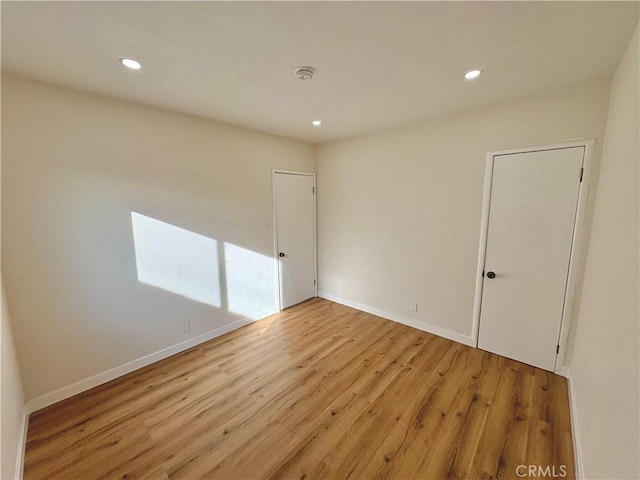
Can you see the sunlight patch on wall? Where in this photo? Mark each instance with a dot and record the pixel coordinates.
(176, 259)
(250, 281)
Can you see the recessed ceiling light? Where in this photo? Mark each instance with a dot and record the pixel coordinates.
(131, 63)
(472, 74)
(316, 123)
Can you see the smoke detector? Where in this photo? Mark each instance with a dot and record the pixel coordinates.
(305, 73)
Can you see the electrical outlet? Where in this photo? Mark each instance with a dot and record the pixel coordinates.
(413, 307)
(186, 327)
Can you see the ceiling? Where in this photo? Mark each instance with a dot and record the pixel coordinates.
(379, 64)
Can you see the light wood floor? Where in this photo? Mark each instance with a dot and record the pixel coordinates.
(319, 391)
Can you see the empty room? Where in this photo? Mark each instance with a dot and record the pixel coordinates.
(320, 240)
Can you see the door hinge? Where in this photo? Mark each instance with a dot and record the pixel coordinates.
(314, 281)
(483, 273)
(313, 189)
(557, 349)
(581, 174)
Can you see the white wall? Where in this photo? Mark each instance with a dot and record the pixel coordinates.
(399, 210)
(605, 362)
(11, 400)
(75, 167)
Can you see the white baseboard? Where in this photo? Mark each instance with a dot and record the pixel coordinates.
(22, 444)
(574, 426)
(411, 322)
(104, 377)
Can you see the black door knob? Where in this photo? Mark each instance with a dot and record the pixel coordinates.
(491, 275)
(282, 254)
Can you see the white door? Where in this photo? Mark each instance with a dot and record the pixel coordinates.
(532, 212)
(295, 207)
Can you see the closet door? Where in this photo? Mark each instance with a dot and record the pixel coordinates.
(532, 214)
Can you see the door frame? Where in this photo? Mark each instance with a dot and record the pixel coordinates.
(578, 243)
(274, 217)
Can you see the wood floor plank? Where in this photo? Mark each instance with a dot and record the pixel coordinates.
(318, 391)
(312, 444)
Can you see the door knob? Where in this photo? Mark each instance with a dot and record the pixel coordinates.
(282, 254)
(491, 275)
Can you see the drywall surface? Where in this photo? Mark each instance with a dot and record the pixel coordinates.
(604, 364)
(114, 215)
(399, 210)
(11, 400)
